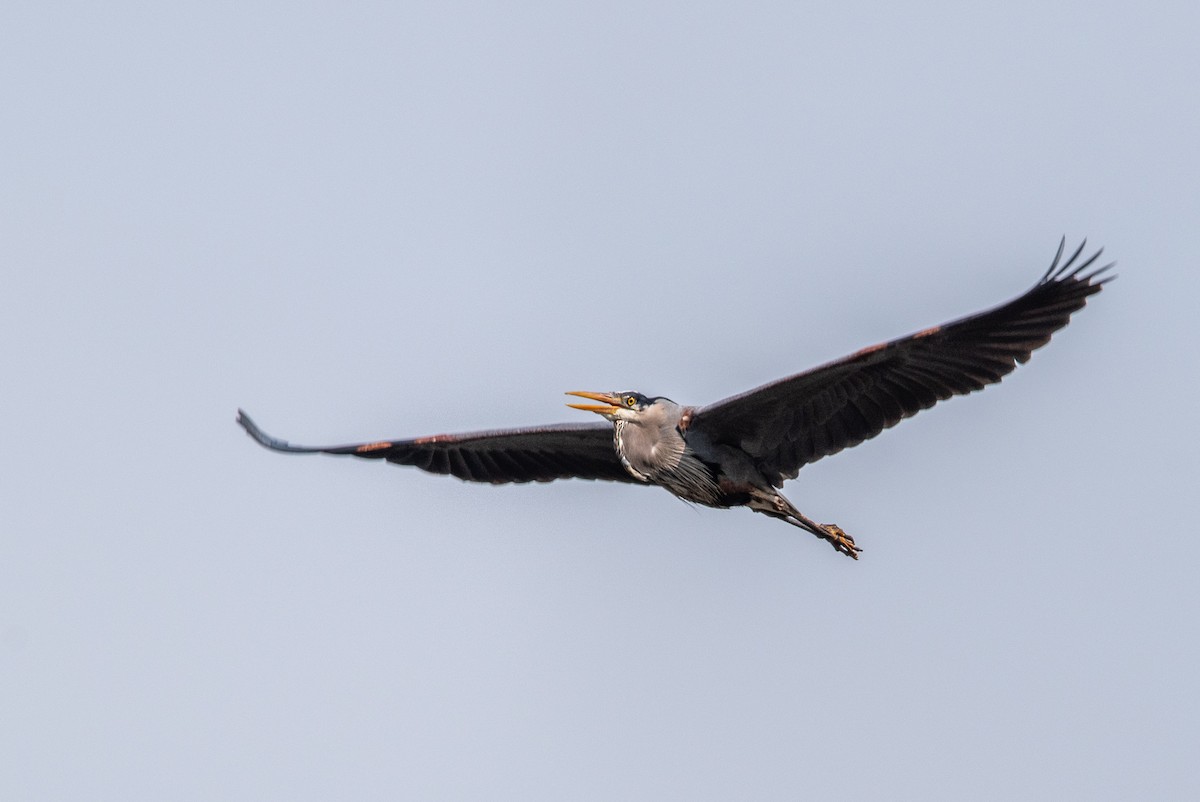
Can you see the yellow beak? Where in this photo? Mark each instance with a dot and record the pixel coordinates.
(611, 403)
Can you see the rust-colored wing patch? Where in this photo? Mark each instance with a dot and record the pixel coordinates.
(870, 349)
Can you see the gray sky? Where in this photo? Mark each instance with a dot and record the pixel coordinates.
(387, 220)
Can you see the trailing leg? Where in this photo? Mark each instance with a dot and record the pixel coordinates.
(775, 505)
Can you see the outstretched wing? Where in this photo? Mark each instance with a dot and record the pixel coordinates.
(538, 454)
(789, 423)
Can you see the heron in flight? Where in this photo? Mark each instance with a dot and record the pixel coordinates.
(738, 452)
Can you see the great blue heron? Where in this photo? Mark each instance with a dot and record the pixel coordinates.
(738, 452)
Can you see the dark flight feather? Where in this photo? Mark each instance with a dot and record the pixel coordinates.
(798, 420)
(538, 454)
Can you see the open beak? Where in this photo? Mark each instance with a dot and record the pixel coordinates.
(611, 403)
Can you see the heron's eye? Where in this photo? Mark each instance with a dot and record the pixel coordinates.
(630, 400)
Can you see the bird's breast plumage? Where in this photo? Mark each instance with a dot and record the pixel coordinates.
(619, 445)
(660, 455)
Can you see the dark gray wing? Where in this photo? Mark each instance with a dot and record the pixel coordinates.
(794, 421)
(541, 454)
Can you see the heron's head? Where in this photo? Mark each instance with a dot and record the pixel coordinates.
(628, 406)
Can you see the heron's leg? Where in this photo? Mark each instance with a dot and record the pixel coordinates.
(833, 533)
(775, 505)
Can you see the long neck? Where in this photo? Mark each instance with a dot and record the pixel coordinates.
(656, 452)
(649, 446)
(626, 439)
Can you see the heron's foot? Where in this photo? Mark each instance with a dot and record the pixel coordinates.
(840, 540)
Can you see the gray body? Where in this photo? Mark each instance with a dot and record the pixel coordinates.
(657, 444)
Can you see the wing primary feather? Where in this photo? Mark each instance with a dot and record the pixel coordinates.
(1062, 245)
(266, 440)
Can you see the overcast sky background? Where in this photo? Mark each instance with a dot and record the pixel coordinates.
(361, 221)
